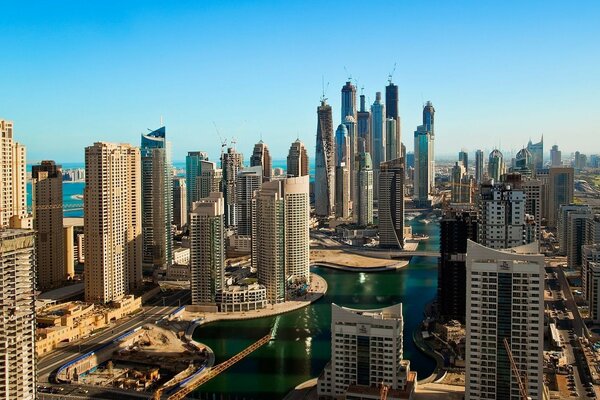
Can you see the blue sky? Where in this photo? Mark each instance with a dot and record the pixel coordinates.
(75, 72)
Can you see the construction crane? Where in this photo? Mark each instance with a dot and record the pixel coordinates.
(194, 384)
(521, 378)
(324, 89)
(391, 74)
(223, 141)
(383, 393)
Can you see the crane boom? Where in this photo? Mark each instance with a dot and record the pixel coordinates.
(520, 379)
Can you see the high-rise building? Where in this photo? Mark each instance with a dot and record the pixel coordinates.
(391, 204)
(209, 181)
(365, 189)
(366, 352)
(571, 229)
(13, 179)
(378, 134)
(47, 205)
(157, 200)
(280, 236)
(350, 124)
(392, 147)
(562, 224)
(207, 249)
(113, 223)
(463, 158)
(537, 151)
(456, 227)
(249, 180)
(261, 156)
(524, 163)
(460, 190)
(392, 112)
(17, 332)
(579, 161)
(560, 191)
(496, 166)
(555, 157)
(348, 101)
(424, 181)
(505, 301)
(502, 220)
(342, 172)
(534, 200)
(590, 279)
(592, 229)
(364, 126)
(193, 171)
(479, 166)
(297, 160)
(180, 206)
(324, 163)
(232, 162)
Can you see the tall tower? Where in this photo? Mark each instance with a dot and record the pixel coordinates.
(391, 204)
(207, 249)
(17, 330)
(324, 162)
(378, 135)
(479, 166)
(365, 189)
(232, 162)
(392, 112)
(180, 206)
(392, 146)
(350, 124)
(463, 158)
(157, 200)
(348, 101)
(459, 189)
(193, 171)
(560, 191)
(209, 181)
(249, 180)
(297, 160)
(13, 183)
(363, 126)
(512, 284)
(113, 224)
(496, 166)
(555, 157)
(47, 204)
(282, 207)
(537, 150)
(262, 157)
(342, 172)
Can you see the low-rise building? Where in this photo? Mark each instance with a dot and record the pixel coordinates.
(242, 298)
(181, 256)
(178, 272)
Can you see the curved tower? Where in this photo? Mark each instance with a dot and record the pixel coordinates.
(495, 165)
(324, 162)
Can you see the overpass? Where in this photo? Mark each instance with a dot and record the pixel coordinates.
(377, 252)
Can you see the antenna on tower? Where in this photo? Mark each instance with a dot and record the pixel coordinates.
(391, 74)
(161, 121)
(324, 88)
(349, 75)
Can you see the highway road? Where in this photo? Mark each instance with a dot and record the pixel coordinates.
(52, 361)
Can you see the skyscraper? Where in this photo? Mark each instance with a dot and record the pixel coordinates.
(391, 112)
(324, 163)
(193, 170)
(479, 166)
(505, 301)
(113, 224)
(350, 124)
(364, 126)
(13, 178)
(249, 180)
(424, 181)
(555, 157)
(207, 249)
(429, 118)
(157, 200)
(391, 204)
(392, 147)
(180, 206)
(17, 331)
(463, 158)
(590, 279)
(378, 134)
(231, 163)
(342, 172)
(47, 205)
(459, 184)
(537, 151)
(560, 191)
(209, 181)
(367, 352)
(297, 160)
(261, 156)
(524, 163)
(502, 219)
(365, 190)
(496, 165)
(348, 101)
(456, 227)
(280, 237)
(571, 231)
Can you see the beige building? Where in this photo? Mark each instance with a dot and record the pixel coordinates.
(69, 250)
(17, 330)
(280, 237)
(112, 228)
(68, 322)
(47, 205)
(297, 160)
(560, 191)
(13, 179)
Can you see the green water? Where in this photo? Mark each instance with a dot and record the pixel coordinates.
(302, 338)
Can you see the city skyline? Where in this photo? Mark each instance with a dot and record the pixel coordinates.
(468, 74)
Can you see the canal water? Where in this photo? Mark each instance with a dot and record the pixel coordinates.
(302, 338)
